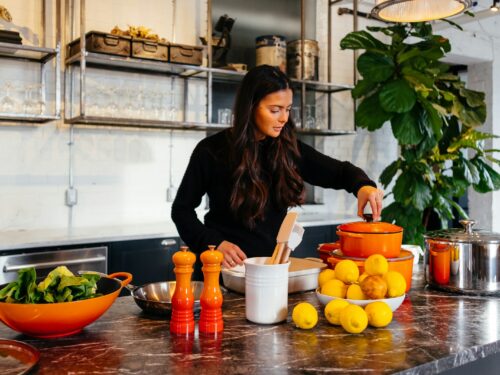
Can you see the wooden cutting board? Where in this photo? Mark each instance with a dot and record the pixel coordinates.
(304, 266)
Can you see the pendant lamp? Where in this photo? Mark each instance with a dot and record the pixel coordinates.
(418, 10)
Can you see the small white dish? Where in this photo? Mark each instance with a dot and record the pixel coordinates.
(393, 303)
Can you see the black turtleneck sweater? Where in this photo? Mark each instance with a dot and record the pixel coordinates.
(208, 172)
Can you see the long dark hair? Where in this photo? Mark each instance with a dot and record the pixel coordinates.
(251, 192)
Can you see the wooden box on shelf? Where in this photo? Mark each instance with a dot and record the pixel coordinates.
(100, 42)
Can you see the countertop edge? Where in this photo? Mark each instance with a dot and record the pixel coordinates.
(464, 357)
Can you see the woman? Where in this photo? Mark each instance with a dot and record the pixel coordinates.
(254, 171)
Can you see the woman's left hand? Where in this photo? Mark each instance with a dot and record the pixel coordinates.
(369, 194)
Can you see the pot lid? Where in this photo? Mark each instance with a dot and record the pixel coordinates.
(370, 227)
(464, 235)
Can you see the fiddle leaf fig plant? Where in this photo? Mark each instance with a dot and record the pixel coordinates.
(434, 118)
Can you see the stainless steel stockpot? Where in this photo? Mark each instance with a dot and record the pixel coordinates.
(463, 260)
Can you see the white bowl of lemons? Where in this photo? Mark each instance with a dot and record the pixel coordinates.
(393, 303)
(376, 283)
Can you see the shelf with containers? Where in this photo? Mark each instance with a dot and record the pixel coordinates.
(132, 107)
(141, 92)
(30, 74)
(314, 93)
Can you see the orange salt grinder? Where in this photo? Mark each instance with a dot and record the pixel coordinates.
(182, 321)
(211, 296)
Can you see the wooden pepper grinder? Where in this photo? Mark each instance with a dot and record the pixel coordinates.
(182, 321)
(211, 296)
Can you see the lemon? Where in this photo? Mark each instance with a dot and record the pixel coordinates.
(333, 309)
(347, 271)
(334, 288)
(379, 314)
(304, 315)
(396, 284)
(374, 287)
(376, 264)
(354, 292)
(353, 319)
(361, 277)
(325, 275)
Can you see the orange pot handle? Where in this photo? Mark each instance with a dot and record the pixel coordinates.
(349, 234)
(126, 275)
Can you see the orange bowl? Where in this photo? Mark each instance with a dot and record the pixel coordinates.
(402, 264)
(50, 320)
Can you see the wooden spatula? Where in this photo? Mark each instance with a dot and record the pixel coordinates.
(283, 236)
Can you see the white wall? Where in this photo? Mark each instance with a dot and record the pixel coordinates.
(122, 175)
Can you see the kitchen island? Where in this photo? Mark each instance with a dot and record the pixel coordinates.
(431, 332)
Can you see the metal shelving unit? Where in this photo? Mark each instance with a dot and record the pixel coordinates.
(45, 57)
(86, 59)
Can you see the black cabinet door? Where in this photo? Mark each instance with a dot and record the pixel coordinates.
(313, 236)
(148, 260)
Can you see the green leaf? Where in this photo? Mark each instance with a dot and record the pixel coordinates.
(464, 168)
(407, 54)
(443, 207)
(422, 195)
(473, 98)
(362, 88)
(406, 128)
(460, 210)
(375, 67)
(433, 119)
(489, 179)
(415, 77)
(389, 172)
(370, 114)
(397, 96)
(362, 40)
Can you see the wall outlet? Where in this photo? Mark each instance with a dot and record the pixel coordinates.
(71, 197)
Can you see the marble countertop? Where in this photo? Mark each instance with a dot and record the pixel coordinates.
(431, 332)
(28, 239)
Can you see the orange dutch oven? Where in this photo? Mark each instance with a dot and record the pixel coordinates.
(50, 320)
(362, 239)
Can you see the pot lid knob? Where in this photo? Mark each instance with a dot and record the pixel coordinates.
(467, 224)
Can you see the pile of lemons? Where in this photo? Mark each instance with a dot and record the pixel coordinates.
(376, 282)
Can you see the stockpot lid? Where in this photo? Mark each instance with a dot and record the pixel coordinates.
(464, 235)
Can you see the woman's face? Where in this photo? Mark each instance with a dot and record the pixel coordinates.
(272, 113)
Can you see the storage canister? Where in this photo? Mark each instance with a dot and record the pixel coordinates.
(271, 50)
(463, 260)
(311, 59)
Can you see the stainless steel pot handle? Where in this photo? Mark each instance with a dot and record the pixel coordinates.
(467, 224)
(8, 268)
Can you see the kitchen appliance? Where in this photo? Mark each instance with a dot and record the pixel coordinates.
(463, 260)
(302, 275)
(362, 239)
(51, 320)
(86, 258)
(155, 298)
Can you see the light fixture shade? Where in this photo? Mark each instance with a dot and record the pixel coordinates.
(418, 10)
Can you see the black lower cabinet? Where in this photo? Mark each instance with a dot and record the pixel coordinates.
(313, 236)
(148, 260)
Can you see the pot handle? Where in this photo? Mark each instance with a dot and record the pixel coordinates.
(126, 275)
(349, 234)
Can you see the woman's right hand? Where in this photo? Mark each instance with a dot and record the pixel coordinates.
(233, 255)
